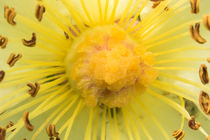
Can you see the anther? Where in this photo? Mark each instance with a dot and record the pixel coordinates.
(206, 21)
(66, 35)
(40, 10)
(51, 131)
(204, 102)
(208, 138)
(195, 6)
(195, 33)
(2, 74)
(9, 15)
(178, 134)
(27, 123)
(208, 59)
(10, 124)
(13, 59)
(2, 133)
(203, 74)
(34, 88)
(192, 124)
(30, 43)
(3, 42)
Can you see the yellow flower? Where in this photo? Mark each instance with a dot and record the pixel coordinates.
(104, 69)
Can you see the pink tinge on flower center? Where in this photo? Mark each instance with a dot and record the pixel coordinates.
(109, 67)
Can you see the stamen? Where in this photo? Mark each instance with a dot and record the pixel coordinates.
(156, 3)
(103, 127)
(33, 89)
(192, 124)
(203, 73)
(195, 6)
(40, 10)
(208, 138)
(9, 15)
(178, 134)
(13, 59)
(10, 124)
(3, 42)
(27, 123)
(2, 74)
(206, 21)
(51, 131)
(2, 133)
(204, 102)
(195, 33)
(30, 43)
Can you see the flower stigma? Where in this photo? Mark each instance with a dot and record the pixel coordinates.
(109, 67)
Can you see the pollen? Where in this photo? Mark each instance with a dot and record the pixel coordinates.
(109, 67)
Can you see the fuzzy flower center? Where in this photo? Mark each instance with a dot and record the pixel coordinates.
(109, 67)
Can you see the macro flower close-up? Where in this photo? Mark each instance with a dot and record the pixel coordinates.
(104, 69)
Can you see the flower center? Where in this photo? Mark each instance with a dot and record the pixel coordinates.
(108, 67)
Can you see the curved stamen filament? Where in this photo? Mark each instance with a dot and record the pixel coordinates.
(52, 10)
(165, 34)
(116, 125)
(87, 13)
(96, 122)
(50, 117)
(125, 12)
(112, 17)
(175, 89)
(161, 53)
(176, 60)
(131, 13)
(137, 15)
(185, 81)
(70, 122)
(20, 123)
(175, 68)
(103, 127)
(111, 124)
(183, 117)
(167, 40)
(137, 135)
(150, 17)
(140, 123)
(106, 11)
(40, 28)
(171, 103)
(89, 126)
(129, 132)
(80, 21)
(154, 119)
